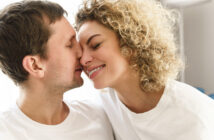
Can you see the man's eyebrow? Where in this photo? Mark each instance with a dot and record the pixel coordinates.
(90, 38)
(72, 38)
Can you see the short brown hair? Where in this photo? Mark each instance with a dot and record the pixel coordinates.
(145, 31)
(23, 31)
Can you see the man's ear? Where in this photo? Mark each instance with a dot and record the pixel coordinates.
(34, 65)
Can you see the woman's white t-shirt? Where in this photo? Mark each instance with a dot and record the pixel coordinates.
(183, 113)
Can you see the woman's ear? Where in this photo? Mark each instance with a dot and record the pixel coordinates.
(34, 65)
(126, 51)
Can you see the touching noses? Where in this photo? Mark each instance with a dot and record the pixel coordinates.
(86, 58)
(78, 51)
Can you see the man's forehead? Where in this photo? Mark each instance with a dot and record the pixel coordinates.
(62, 26)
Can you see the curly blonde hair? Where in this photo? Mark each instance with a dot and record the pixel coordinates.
(145, 31)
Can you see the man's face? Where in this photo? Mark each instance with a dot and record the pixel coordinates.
(63, 69)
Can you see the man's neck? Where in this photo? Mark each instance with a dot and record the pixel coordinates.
(42, 105)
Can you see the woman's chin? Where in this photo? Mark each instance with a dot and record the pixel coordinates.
(99, 86)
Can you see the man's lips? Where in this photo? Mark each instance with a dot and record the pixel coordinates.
(79, 68)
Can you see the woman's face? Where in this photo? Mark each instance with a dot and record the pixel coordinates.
(102, 60)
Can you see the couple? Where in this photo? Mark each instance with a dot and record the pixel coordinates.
(126, 45)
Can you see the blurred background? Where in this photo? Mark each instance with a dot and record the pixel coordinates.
(195, 33)
(196, 41)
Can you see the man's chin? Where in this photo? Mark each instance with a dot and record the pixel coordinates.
(77, 83)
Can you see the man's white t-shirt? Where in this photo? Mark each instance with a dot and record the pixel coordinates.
(86, 121)
(183, 113)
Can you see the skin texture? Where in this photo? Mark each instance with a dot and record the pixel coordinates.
(101, 48)
(63, 57)
(145, 31)
(50, 78)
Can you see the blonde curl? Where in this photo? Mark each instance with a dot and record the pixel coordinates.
(145, 30)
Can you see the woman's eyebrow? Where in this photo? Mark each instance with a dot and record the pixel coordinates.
(90, 38)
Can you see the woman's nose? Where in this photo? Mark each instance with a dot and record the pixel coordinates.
(86, 58)
(79, 51)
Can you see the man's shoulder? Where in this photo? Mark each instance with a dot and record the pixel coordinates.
(5, 122)
(90, 112)
(6, 114)
(92, 107)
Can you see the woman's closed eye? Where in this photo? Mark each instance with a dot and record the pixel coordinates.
(96, 46)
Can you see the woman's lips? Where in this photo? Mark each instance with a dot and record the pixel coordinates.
(92, 72)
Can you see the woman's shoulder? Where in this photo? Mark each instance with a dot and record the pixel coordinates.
(188, 97)
(185, 91)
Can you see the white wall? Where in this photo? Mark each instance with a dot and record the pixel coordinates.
(199, 45)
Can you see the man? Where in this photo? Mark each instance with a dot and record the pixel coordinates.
(39, 52)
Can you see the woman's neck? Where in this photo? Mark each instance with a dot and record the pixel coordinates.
(130, 93)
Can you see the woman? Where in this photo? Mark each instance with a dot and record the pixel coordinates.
(129, 47)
